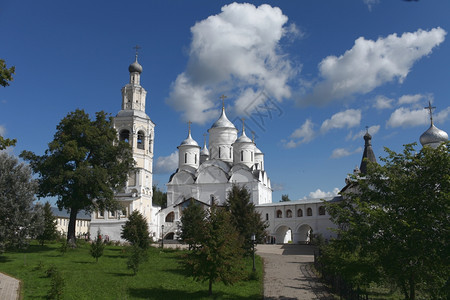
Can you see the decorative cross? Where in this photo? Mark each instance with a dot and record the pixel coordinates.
(430, 109)
(243, 125)
(223, 100)
(253, 136)
(137, 47)
(189, 126)
(204, 138)
(367, 129)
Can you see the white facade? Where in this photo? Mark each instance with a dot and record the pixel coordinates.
(208, 175)
(134, 126)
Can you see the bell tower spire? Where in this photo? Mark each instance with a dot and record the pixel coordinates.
(133, 94)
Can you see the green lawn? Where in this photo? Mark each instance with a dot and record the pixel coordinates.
(161, 277)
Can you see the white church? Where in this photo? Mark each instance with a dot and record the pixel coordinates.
(207, 174)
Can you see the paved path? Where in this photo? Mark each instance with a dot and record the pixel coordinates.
(288, 274)
(9, 287)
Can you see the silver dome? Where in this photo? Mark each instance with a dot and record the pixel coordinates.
(433, 136)
(135, 67)
(189, 141)
(223, 121)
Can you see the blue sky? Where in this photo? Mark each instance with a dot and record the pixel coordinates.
(325, 69)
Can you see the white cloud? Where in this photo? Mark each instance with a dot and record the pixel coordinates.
(405, 117)
(382, 102)
(236, 51)
(322, 194)
(167, 164)
(372, 131)
(342, 152)
(348, 118)
(2, 130)
(370, 3)
(370, 64)
(411, 99)
(303, 134)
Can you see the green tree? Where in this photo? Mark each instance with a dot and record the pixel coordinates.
(159, 197)
(97, 247)
(4, 143)
(192, 218)
(5, 73)
(136, 257)
(395, 225)
(136, 231)
(245, 217)
(285, 198)
(49, 232)
(219, 256)
(17, 189)
(83, 166)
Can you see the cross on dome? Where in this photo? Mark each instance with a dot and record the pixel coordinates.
(223, 97)
(430, 110)
(137, 47)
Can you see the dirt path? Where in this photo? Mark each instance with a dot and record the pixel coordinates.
(288, 273)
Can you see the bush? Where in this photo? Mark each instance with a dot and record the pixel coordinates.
(57, 283)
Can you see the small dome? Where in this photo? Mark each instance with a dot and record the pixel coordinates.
(204, 151)
(243, 139)
(257, 151)
(189, 141)
(433, 136)
(135, 67)
(223, 122)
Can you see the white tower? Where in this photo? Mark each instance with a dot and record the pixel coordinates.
(134, 126)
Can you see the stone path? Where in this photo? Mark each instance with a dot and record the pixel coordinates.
(9, 287)
(288, 274)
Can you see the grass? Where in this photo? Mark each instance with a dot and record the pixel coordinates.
(161, 277)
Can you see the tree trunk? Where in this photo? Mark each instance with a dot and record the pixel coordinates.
(412, 288)
(71, 238)
(210, 287)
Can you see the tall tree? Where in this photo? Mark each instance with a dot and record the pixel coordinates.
(17, 189)
(285, 198)
(192, 218)
(397, 221)
(136, 231)
(49, 232)
(245, 217)
(83, 166)
(159, 197)
(219, 256)
(6, 73)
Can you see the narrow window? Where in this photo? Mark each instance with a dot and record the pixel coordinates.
(299, 212)
(309, 212)
(288, 213)
(140, 140)
(252, 155)
(185, 158)
(230, 152)
(267, 217)
(242, 155)
(195, 157)
(279, 214)
(219, 151)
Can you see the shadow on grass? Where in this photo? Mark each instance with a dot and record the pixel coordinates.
(4, 259)
(122, 274)
(160, 293)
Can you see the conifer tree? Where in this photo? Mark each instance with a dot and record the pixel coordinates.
(192, 219)
(136, 231)
(245, 217)
(219, 255)
(97, 247)
(49, 231)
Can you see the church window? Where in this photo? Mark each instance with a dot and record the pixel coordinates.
(185, 158)
(288, 213)
(242, 155)
(309, 211)
(279, 214)
(100, 215)
(267, 217)
(219, 152)
(140, 140)
(170, 217)
(124, 136)
(321, 210)
(112, 214)
(195, 157)
(230, 153)
(299, 212)
(257, 165)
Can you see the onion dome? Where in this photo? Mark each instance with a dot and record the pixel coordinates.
(189, 141)
(205, 150)
(223, 121)
(433, 136)
(243, 138)
(135, 67)
(257, 151)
